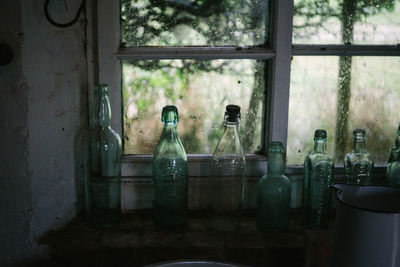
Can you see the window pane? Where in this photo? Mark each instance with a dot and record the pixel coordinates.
(364, 22)
(373, 104)
(193, 22)
(200, 90)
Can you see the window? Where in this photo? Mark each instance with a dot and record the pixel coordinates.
(345, 75)
(154, 53)
(199, 55)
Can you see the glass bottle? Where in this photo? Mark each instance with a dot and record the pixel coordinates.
(318, 177)
(393, 166)
(227, 176)
(273, 193)
(104, 186)
(358, 164)
(170, 175)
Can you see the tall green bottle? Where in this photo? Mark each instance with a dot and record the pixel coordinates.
(170, 175)
(273, 193)
(358, 164)
(318, 177)
(393, 166)
(104, 186)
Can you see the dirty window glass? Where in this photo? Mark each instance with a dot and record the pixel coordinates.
(373, 87)
(194, 22)
(200, 89)
(346, 21)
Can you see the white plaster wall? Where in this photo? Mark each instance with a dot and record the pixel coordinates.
(43, 106)
(54, 65)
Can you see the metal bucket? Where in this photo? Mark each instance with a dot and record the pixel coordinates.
(367, 227)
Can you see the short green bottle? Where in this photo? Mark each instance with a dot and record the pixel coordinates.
(273, 193)
(318, 177)
(393, 166)
(170, 175)
(104, 185)
(358, 164)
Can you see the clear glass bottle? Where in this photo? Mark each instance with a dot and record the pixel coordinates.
(318, 177)
(104, 186)
(393, 166)
(170, 175)
(227, 176)
(273, 193)
(358, 164)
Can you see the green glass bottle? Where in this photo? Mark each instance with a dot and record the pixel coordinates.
(318, 177)
(358, 164)
(225, 196)
(273, 193)
(104, 186)
(170, 175)
(393, 166)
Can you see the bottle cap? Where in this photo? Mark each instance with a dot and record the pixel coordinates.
(169, 114)
(102, 88)
(359, 134)
(232, 113)
(320, 133)
(359, 131)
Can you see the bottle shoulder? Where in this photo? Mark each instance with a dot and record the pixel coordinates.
(353, 157)
(228, 144)
(166, 149)
(315, 158)
(105, 136)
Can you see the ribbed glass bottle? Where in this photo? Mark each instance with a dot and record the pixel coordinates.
(104, 187)
(273, 193)
(318, 177)
(358, 164)
(393, 166)
(170, 175)
(227, 176)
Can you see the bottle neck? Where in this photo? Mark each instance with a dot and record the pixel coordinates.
(170, 131)
(320, 146)
(359, 145)
(104, 111)
(275, 164)
(231, 128)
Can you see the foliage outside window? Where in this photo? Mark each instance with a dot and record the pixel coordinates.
(199, 88)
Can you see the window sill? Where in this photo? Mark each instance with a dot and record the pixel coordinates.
(140, 166)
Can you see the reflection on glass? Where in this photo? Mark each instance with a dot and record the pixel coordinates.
(373, 104)
(346, 21)
(200, 90)
(194, 22)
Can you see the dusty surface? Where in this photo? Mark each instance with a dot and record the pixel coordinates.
(137, 242)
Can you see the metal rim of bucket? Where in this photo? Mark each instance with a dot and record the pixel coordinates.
(360, 208)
